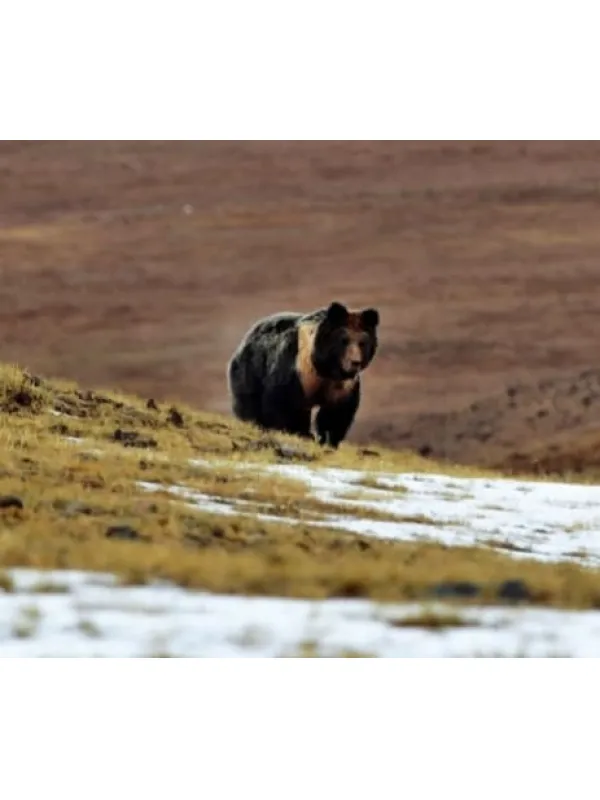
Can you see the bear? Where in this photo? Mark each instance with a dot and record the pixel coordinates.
(289, 363)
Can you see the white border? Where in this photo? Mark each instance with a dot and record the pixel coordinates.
(325, 70)
(222, 728)
(72, 70)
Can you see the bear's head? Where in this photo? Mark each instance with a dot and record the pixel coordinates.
(345, 342)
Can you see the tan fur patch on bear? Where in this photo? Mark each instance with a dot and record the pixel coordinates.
(317, 389)
(311, 382)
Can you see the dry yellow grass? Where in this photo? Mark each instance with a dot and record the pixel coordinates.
(432, 620)
(72, 493)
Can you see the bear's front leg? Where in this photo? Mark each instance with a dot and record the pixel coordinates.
(286, 420)
(284, 410)
(334, 421)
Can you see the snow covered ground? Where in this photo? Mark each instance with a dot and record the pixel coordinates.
(86, 615)
(546, 521)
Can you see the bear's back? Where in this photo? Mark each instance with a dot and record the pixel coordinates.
(270, 331)
(277, 324)
(269, 336)
(282, 322)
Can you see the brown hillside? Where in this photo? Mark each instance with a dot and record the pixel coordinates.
(551, 426)
(140, 264)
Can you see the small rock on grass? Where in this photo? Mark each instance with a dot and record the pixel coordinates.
(175, 417)
(23, 398)
(456, 589)
(124, 532)
(133, 439)
(10, 501)
(291, 453)
(151, 404)
(514, 590)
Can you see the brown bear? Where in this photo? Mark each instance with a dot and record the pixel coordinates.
(289, 363)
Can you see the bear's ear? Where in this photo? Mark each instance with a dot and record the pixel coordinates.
(370, 317)
(337, 314)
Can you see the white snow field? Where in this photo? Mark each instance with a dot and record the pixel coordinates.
(85, 614)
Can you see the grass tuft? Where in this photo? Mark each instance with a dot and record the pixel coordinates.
(431, 620)
(49, 587)
(89, 628)
(7, 583)
(26, 622)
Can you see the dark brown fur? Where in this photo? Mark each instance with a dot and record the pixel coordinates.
(289, 364)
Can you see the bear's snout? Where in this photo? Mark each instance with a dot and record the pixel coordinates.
(353, 358)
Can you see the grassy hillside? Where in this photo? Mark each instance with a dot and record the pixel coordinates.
(70, 465)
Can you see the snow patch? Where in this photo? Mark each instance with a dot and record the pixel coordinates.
(526, 519)
(92, 616)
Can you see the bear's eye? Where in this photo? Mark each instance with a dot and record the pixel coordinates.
(345, 340)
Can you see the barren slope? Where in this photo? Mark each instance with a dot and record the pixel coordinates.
(139, 265)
